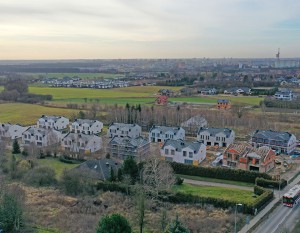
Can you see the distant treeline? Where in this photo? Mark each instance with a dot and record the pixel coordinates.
(272, 103)
(17, 91)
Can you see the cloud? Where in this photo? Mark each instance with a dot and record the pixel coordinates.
(150, 26)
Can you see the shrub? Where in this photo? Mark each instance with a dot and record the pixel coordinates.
(40, 176)
(65, 160)
(114, 224)
(179, 180)
(75, 182)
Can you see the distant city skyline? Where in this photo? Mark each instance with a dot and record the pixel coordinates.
(112, 29)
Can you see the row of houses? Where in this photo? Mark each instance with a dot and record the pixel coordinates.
(105, 84)
(127, 140)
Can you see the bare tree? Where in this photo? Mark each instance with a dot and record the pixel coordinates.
(53, 143)
(157, 176)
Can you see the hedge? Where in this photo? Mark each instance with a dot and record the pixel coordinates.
(218, 173)
(267, 183)
(113, 187)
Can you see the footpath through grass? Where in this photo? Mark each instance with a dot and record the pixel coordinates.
(230, 194)
(207, 179)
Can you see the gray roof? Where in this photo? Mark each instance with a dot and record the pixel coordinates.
(181, 144)
(164, 129)
(85, 121)
(54, 118)
(214, 131)
(123, 125)
(86, 137)
(34, 131)
(100, 169)
(272, 135)
(132, 142)
(223, 101)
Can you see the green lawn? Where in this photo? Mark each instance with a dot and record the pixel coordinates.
(58, 166)
(121, 101)
(236, 195)
(28, 114)
(238, 183)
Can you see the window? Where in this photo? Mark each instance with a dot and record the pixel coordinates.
(188, 161)
(169, 159)
(207, 137)
(172, 152)
(184, 153)
(218, 138)
(166, 151)
(190, 154)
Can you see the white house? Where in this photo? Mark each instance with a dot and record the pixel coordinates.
(81, 143)
(221, 137)
(124, 130)
(53, 122)
(181, 151)
(86, 126)
(162, 133)
(10, 131)
(284, 95)
(41, 137)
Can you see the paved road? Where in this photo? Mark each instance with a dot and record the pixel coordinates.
(276, 220)
(206, 183)
(282, 218)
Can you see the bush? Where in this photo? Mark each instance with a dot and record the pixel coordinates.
(179, 180)
(115, 223)
(218, 173)
(65, 160)
(267, 183)
(75, 182)
(40, 176)
(113, 187)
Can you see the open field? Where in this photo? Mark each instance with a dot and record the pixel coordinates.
(73, 93)
(217, 180)
(28, 114)
(251, 100)
(236, 195)
(57, 165)
(80, 75)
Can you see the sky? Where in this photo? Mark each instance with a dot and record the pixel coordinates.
(113, 29)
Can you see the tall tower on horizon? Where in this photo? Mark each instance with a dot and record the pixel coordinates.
(278, 54)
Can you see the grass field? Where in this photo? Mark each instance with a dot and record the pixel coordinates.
(80, 75)
(236, 195)
(68, 94)
(58, 166)
(238, 183)
(250, 100)
(28, 114)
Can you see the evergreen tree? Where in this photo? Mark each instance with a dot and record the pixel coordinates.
(130, 168)
(112, 175)
(115, 223)
(16, 147)
(176, 227)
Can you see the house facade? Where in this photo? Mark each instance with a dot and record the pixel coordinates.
(10, 132)
(221, 137)
(124, 130)
(162, 133)
(53, 122)
(41, 137)
(181, 151)
(223, 104)
(208, 91)
(282, 142)
(284, 95)
(86, 126)
(81, 143)
(246, 157)
(123, 147)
